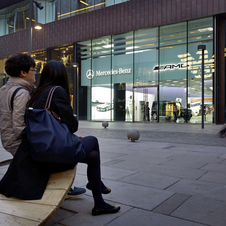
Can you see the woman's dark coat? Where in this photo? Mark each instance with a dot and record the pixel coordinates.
(26, 178)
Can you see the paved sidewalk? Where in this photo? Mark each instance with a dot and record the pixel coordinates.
(174, 175)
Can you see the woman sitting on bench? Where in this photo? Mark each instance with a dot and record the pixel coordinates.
(35, 174)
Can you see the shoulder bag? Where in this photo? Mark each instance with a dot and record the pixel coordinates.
(50, 139)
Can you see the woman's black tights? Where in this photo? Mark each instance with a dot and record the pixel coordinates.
(92, 159)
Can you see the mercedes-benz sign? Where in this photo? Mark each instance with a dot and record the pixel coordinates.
(90, 74)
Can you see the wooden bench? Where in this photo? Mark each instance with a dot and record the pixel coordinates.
(37, 212)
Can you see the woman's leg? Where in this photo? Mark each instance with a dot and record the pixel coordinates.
(90, 143)
(92, 159)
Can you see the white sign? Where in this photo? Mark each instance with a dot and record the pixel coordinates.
(90, 73)
(170, 67)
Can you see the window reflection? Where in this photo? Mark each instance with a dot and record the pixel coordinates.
(16, 17)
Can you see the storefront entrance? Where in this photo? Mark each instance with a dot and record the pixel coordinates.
(145, 103)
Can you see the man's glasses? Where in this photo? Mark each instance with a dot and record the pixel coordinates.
(33, 70)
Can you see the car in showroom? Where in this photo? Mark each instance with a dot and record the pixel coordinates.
(166, 110)
(104, 107)
(195, 107)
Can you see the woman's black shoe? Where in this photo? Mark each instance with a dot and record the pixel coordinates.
(97, 211)
(106, 191)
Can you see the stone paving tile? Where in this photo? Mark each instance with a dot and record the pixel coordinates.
(171, 204)
(144, 159)
(130, 194)
(221, 168)
(223, 156)
(136, 217)
(216, 148)
(202, 210)
(110, 155)
(172, 171)
(60, 215)
(203, 159)
(83, 207)
(124, 164)
(214, 177)
(217, 194)
(192, 187)
(107, 172)
(186, 163)
(207, 154)
(150, 180)
(223, 162)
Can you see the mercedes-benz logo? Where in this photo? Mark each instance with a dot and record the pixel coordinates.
(90, 74)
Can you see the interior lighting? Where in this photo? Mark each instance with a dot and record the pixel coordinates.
(206, 29)
(27, 18)
(84, 2)
(75, 11)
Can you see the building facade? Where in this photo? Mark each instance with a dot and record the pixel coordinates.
(138, 60)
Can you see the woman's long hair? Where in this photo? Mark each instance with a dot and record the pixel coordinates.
(54, 73)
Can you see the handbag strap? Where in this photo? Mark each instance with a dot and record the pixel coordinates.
(49, 98)
(14, 94)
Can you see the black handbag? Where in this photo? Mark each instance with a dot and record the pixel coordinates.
(50, 139)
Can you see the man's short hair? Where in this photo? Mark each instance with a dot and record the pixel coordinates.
(17, 63)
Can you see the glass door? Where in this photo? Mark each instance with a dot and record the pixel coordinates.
(145, 104)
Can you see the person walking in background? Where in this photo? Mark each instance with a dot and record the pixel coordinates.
(175, 112)
(146, 112)
(21, 69)
(55, 74)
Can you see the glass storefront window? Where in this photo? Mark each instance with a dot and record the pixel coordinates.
(65, 9)
(145, 57)
(3, 75)
(102, 106)
(49, 10)
(14, 18)
(66, 57)
(122, 73)
(40, 58)
(172, 73)
(84, 55)
(200, 32)
(156, 69)
(114, 2)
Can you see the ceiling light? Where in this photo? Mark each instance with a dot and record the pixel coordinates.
(206, 29)
(84, 3)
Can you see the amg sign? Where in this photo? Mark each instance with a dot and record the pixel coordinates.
(170, 67)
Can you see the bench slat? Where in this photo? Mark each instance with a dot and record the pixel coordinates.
(37, 211)
(8, 220)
